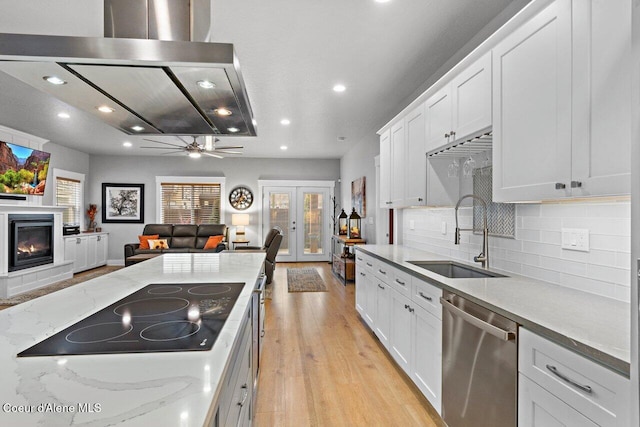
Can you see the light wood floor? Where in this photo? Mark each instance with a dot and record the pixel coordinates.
(322, 366)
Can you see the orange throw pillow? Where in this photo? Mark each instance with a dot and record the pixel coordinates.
(213, 242)
(144, 240)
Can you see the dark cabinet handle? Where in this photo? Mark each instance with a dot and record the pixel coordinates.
(380, 286)
(406, 306)
(411, 310)
(560, 186)
(576, 184)
(425, 297)
(362, 274)
(400, 282)
(382, 271)
(584, 388)
(370, 265)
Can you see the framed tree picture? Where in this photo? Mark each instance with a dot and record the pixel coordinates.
(359, 196)
(123, 203)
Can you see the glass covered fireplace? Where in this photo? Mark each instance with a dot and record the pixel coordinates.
(30, 241)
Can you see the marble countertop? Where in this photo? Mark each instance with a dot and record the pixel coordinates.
(592, 325)
(136, 389)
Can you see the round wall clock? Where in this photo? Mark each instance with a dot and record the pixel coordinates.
(241, 198)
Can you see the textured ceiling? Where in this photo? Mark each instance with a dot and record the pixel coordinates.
(291, 54)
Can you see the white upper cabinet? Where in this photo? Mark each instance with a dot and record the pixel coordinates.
(601, 140)
(532, 108)
(398, 163)
(471, 98)
(438, 110)
(561, 103)
(416, 159)
(462, 107)
(385, 169)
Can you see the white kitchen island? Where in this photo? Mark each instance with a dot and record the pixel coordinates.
(133, 389)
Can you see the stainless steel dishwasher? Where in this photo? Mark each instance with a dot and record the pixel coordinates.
(479, 365)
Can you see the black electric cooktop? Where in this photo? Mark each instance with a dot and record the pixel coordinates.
(158, 317)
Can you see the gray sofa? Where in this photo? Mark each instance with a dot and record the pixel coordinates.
(182, 238)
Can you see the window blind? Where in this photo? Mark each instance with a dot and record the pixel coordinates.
(68, 194)
(184, 203)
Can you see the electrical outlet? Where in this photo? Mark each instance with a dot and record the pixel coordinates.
(412, 224)
(443, 229)
(371, 220)
(575, 239)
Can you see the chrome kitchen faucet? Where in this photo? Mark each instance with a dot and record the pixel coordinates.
(483, 257)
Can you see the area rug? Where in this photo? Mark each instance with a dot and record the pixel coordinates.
(78, 278)
(305, 280)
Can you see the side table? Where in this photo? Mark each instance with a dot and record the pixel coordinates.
(240, 242)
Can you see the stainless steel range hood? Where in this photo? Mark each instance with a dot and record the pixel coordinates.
(153, 86)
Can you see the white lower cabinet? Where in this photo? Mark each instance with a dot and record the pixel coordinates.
(86, 251)
(559, 387)
(401, 330)
(383, 312)
(539, 408)
(405, 314)
(426, 369)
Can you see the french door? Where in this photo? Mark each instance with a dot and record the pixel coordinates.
(303, 216)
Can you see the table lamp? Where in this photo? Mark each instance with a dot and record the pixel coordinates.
(240, 221)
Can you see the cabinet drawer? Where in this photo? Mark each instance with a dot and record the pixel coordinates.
(383, 271)
(600, 394)
(427, 296)
(364, 261)
(401, 282)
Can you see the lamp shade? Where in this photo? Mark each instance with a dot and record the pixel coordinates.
(239, 219)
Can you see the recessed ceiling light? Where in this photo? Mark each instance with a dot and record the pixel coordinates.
(127, 144)
(339, 88)
(283, 147)
(195, 155)
(54, 80)
(254, 122)
(222, 112)
(105, 109)
(137, 128)
(233, 130)
(63, 115)
(382, 1)
(285, 122)
(206, 84)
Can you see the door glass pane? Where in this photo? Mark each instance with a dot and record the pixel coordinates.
(313, 226)
(280, 217)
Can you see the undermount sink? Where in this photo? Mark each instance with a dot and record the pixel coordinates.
(455, 270)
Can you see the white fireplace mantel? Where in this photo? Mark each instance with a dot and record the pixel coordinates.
(16, 282)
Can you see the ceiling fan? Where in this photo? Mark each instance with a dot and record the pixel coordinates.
(195, 149)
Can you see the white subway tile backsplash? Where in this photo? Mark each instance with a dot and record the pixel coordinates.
(536, 251)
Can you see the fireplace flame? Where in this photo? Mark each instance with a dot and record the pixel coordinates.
(32, 249)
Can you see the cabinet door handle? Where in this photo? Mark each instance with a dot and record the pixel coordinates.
(560, 186)
(359, 259)
(576, 184)
(419, 199)
(370, 265)
(99, 238)
(406, 306)
(380, 286)
(411, 310)
(78, 241)
(400, 282)
(362, 274)
(446, 135)
(382, 271)
(452, 133)
(425, 297)
(245, 394)
(262, 333)
(555, 372)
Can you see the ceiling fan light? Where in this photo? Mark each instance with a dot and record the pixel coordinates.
(233, 130)
(195, 155)
(222, 112)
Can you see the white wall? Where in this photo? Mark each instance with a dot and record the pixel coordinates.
(53, 17)
(67, 159)
(358, 162)
(536, 251)
(237, 171)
